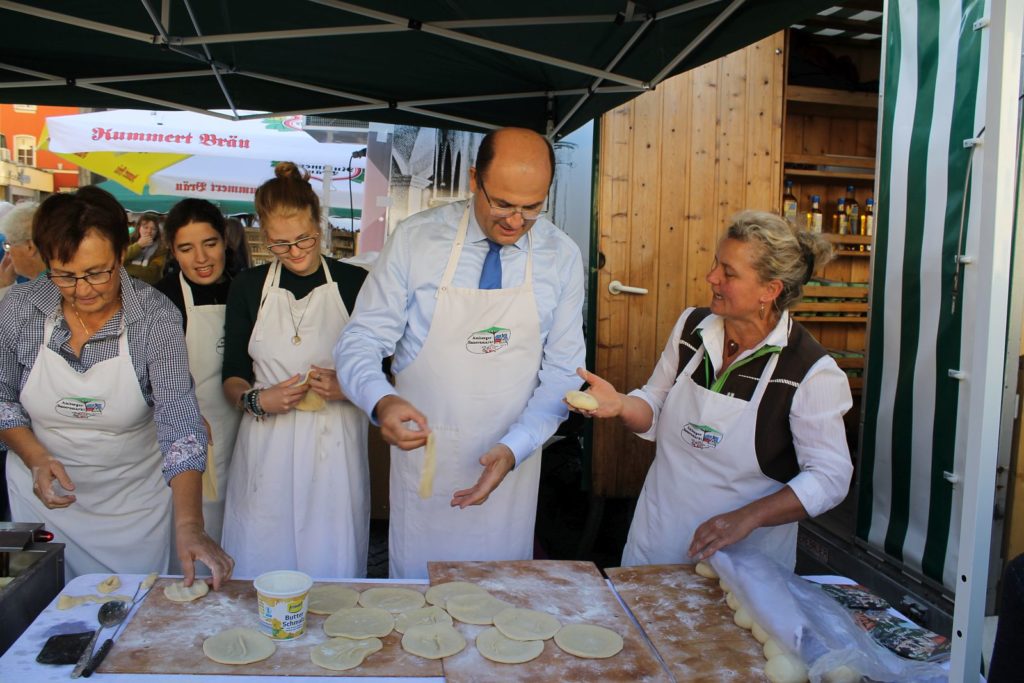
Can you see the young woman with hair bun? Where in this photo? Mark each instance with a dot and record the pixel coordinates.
(298, 486)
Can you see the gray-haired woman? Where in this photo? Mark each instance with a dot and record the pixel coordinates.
(21, 260)
(746, 408)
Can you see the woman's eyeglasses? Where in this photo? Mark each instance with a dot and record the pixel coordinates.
(303, 243)
(101, 277)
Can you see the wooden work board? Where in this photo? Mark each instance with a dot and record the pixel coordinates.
(166, 637)
(574, 592)
(687, 621)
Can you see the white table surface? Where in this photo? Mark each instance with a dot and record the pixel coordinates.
(18, 664)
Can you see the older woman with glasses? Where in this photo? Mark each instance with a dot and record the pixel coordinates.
(298, 493)
(97, 402)
(21, 260)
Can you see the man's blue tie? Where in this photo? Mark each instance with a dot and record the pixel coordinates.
(490, 276)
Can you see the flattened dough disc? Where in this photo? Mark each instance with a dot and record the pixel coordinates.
(359, 622)
(475, 608)
(526, 624)
(331, 598)
(433, 641)
(177, 592)
(439, 594)
(493, 645)
(589, 641)
(422, 617)
(340, 654)
(394, 600)
(238, 646)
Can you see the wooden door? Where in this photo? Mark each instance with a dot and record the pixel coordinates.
(674, 164)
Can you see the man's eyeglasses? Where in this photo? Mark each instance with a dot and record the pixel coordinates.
(304, 244)
(507, 211)
(101, 277)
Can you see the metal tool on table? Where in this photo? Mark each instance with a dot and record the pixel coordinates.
(116, 612)
(110, 614)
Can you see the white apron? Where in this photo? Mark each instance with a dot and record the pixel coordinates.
(472, 379)
(298, 494)
(98, 425)
(705, 466)
(204, 337)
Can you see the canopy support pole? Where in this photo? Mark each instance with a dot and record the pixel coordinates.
(988, 277)
(696, 42)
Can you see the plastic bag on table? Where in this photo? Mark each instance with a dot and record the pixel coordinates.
(808, 622)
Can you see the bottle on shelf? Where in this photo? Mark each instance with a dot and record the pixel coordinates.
(839, 225)
(852, 211)
(790, 207)
(867, 221)
(814, 214)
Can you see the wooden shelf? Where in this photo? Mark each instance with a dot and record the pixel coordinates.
(855, 363)
(839, 292)
(830, 160)
(801, 99)
(830, 307)
(856, 177)
(830, 319)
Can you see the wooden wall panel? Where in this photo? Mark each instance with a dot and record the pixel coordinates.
(675, 164)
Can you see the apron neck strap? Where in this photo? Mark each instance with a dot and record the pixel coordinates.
(186, 292)
(456, 253)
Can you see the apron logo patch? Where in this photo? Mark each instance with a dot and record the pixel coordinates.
(491, 340)
(220, 346)
(702, 436)
(80, 407)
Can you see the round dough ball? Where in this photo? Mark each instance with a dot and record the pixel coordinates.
(706, 570)
(475, 609)
(109, 584)
(724, 586)
(589, 641)
(842, 674)
(759, 633)
(422, 617)
(743, 618)
(581, 400)
(340, 654)
(359, 623)
(331, 598)
(433, 641)
(732, 601)
(526, 624)
(772, 649)
(785, 668)
(177, 592)
(493, 645)
(439, 594)
(238, 646)
(394, 600)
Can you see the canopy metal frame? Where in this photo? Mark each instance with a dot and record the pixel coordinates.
(381, 22)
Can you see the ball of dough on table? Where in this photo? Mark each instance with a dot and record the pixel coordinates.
(785, 668)
(439, 594)
(581, 400)
(238, 646)
(772, 649)
(331, 598)
(759, 633)
(341, 654)
(422, 617)
(433, 641)
(724, 586)
(588, 641)
(359, 623)
(732, 601)
(178, 592)
(706, 570)
(394, 600)
(743, 618)
(493, 645)
(842, 674)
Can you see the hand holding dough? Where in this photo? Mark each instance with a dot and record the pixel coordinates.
(581, 400)
(311, 401)
(429, 467)
(178, 592)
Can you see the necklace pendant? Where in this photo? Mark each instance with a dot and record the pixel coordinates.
(296, 340)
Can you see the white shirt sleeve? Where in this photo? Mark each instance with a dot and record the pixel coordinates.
(819, 436)
(663, 378)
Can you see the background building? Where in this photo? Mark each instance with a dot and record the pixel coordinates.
(26, 172)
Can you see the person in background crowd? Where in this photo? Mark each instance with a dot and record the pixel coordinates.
(238, 246)
(147, 255)
(21, 260)
(195, 232)
(97, 402)
(298, 485)
(481, 303)
(746, 408)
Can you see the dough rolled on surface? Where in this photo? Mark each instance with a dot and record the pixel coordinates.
(238, 646)
(178, 592)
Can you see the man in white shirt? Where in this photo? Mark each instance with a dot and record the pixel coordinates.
(481, 304)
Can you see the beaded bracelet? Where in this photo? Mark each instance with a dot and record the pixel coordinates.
(251, 404)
